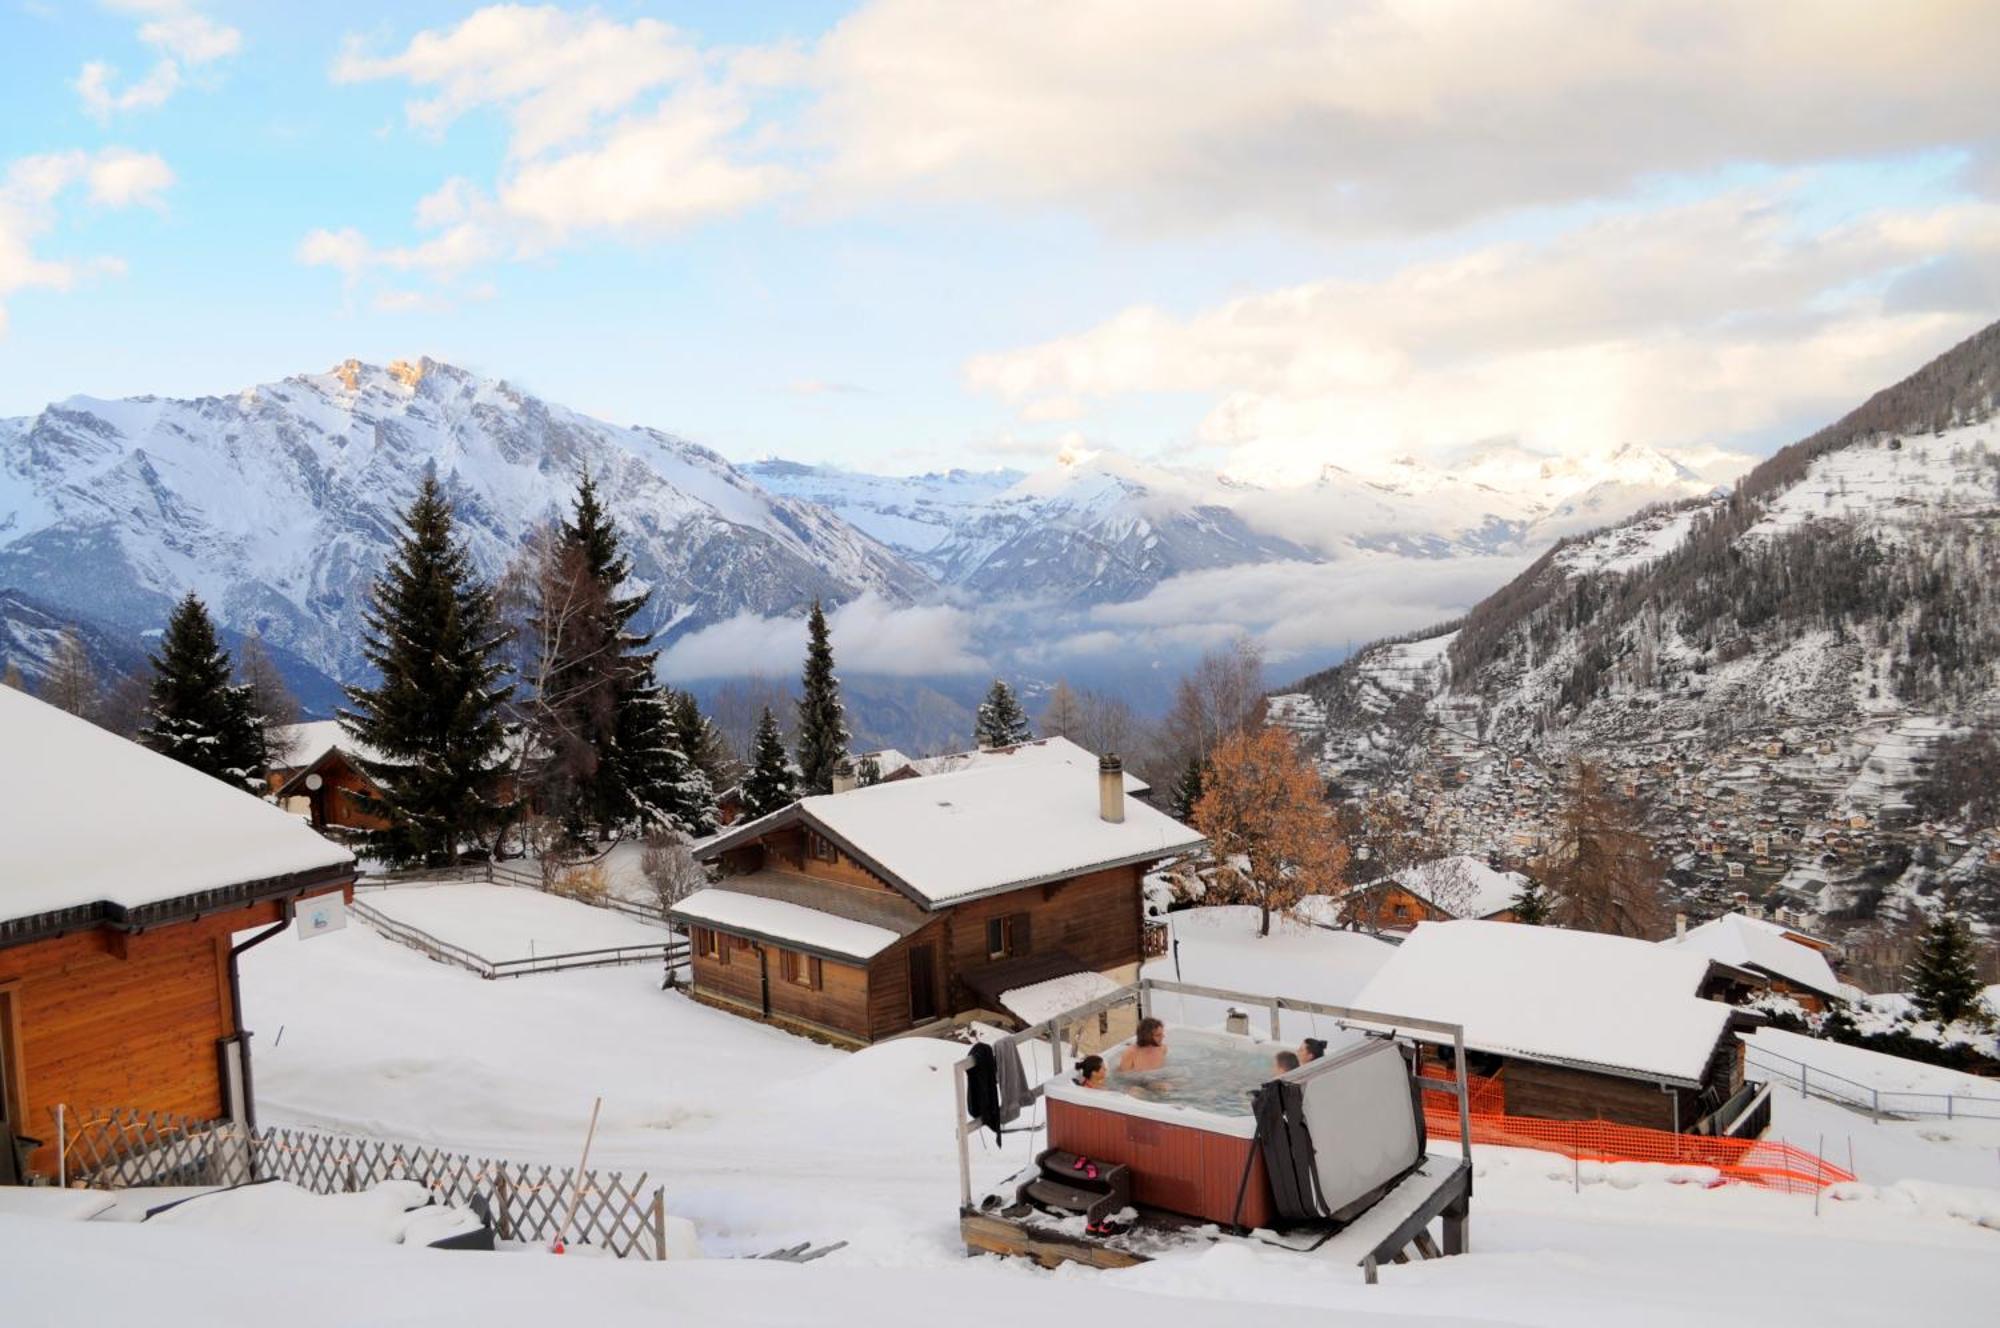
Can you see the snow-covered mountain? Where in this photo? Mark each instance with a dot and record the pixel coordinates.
(1100, 527)
(1773, 669)
(279, 504)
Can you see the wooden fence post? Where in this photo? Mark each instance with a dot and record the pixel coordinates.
(660, 1224)
(503, 1192)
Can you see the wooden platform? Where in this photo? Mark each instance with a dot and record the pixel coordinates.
(1440, 1187)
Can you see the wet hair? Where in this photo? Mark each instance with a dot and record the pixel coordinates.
(1315, 1048)
(1288, 1060)
(1150, 1030)
(1087, 1067)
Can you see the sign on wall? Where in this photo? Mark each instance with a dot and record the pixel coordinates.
(321, 914)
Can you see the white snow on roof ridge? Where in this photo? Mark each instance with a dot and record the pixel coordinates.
(994, 826)
(1749, 942)
(1055, 749)
(782, 920)
(1463, 885)
(86, 816)
(1554, 994)
(308, 741)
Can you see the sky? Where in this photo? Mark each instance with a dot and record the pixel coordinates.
(904, 235)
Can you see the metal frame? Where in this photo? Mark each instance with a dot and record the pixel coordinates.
(1138, 992)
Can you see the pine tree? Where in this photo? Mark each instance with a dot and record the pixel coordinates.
(195, 714)
(1001, 721)
(701, 739)
(769, 785)
(822, 743)
(1187, 790)
(1944, 977)
(1531, 905)
(668, 789)
(435, 638)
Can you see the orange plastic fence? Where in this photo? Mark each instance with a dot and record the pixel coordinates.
(1773, 1165)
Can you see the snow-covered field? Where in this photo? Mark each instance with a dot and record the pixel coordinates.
(763, 1139)
(500, 922)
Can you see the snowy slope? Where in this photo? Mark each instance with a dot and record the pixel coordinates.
(279, 503)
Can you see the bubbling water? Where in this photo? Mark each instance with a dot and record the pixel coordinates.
(1210, 1071)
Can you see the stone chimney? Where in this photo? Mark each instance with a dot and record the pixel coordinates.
(1111, 787)
(844, 777)
(1680, 926)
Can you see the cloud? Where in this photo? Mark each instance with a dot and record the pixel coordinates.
(1385, 116)
(1688, 323)
(185, 36)
(31, 192)
(870, 635)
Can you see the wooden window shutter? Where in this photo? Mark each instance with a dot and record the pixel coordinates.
(722, 951)
(818, 974)
(1019, 942)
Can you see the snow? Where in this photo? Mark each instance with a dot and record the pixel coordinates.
(1054, 751)
(383, 1214)
(1865, 1068)
(1745, 942)
(1462, 885)
(763, 1139)
(782, 920)
(994, 825)
(1569, 996)
(306, 743)
(91, 817)
(501, 922)
(1044, 1000)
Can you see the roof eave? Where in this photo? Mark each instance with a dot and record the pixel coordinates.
(167, 912)
(783, 942)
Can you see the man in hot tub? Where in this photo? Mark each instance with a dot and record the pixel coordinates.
(1148, 1050)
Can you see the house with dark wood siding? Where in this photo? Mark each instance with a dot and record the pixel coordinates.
(121, 919)
(1574, 1025)
(318, 773)
(860, 915)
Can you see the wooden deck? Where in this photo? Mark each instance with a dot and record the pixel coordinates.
(1439, 1188)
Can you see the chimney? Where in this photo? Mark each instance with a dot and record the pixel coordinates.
(844, 777)
(1111, 787)
(1680, 926)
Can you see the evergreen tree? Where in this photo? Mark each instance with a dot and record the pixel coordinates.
(822, 743)
(1944, 977)
(1188, 790)
(667, 787)
(769, 785)
(701, 739)
(435, 639)
(195, 714)
(1001, 721)
(1531, 906)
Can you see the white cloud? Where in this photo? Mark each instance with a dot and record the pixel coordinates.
(31, 191)
(1684, 324)
(185, 37)
(870, 636)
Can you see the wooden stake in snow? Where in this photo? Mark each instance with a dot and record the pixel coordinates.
(576, 1186)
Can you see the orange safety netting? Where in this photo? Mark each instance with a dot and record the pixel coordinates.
(1773, 1165)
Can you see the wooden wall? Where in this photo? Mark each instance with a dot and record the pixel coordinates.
(1097, 919)
(841, 1003)
(105, 1020)
(1556, 1092)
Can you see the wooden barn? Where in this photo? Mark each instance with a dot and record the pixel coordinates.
(864, 914)
(121, 919)
(1456, 887)
(1751, 957)
(1575, 1025)
(318, 775)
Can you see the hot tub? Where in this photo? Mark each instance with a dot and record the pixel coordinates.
(1338, 1129)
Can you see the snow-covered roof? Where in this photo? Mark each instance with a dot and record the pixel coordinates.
(306, 743)
(1056, 751)
(1575, 997)
(1746, 942)
(1045, 1000)
(87, 817)
(993, 826)
(1463, 886)
(784, 922)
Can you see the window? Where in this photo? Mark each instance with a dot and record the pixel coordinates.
(996, 938)
(800, 970)
(821, 847)
(707, 944)
(1008, 936)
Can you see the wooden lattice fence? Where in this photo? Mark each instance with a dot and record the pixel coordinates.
(125, 1149)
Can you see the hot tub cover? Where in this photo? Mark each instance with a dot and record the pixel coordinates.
(1336, 1132)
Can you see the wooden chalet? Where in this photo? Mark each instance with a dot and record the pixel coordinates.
(864, 914)
(1455, 887)
(120, 923)
(318, 775)
(1750, 957)
(1573, 1025)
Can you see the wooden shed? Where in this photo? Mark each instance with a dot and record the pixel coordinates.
(860, 915)
(120, 923)
(319, 774)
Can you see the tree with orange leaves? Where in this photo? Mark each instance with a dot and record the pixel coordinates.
(1268, 825)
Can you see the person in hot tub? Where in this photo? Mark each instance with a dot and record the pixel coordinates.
(1284, 1063)
(1311, 1050)
(1148, 1050)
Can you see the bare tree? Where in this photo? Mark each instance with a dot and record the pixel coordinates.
(12, 677)
(1105, 724)
(71, 684)
(1384, 840)
(123, 708)
(670, 869)
(1063, 716)
(1600, 868)
(1222, 695)
(277, 709)
(736, 706)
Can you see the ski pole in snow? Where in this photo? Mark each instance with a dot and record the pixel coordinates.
(576, 1187)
